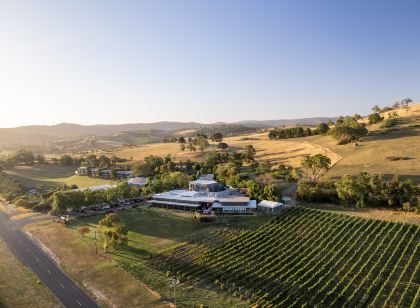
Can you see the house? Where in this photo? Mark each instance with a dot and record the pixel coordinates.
(105, 173)
(94, 172)
(137, 181)
(205, 195)
(82, 171)
(124, 174)
(270, 207)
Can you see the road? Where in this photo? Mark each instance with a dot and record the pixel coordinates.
(48, 272)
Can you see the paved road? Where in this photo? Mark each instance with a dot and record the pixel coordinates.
(48, 272)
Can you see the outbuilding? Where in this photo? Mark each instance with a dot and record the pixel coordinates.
(270, 207)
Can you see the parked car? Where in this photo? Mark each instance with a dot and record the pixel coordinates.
(105, 207)
(70, 210)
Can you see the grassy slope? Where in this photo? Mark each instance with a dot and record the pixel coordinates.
(370, 155)
(18, 285)
(150, 231)
(45, 175)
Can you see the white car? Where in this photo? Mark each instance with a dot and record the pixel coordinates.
(105, 207)
(69, 210)
(83, 207)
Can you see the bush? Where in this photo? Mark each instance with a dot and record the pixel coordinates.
(375, 118)
(312, 192)
(390, 122)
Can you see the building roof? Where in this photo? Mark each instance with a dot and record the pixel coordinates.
(137, 181)
(270, 204)
(99, 187)
(203, 182)
(207, 176)
(185, 195)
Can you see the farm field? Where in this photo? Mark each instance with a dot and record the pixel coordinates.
(150, 231)
(18, 284)
(46, 175)
(307, 258)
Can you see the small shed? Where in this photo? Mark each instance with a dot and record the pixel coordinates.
(271, 207)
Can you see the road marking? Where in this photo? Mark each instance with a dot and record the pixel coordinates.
(62, 285)
(79, 303)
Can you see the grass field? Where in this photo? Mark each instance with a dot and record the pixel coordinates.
(307, 258)
(18, 285)
(46, 175)
(150, 231)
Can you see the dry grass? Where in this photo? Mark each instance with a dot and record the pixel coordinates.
(18, 285)
(370, 213)
(372, 152)
(105, 280)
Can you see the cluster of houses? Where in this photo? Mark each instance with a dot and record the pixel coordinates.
(104, 173)
(205, 194)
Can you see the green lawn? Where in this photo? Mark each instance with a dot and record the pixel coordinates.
(152, 230)
(46, 175)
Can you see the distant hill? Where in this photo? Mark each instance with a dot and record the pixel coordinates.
(274, 123)
(42, 134)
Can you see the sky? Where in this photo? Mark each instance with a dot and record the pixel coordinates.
(89, 62)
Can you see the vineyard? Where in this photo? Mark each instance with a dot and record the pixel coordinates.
(306, 258)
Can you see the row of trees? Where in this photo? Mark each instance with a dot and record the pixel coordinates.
(296, 132)
(64, 199)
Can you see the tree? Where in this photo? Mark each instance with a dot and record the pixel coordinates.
(357, 117)
(182, 147)
(40, 158)
(375, 118)
(264, 167)
(396, 105)
(272, 192)
(376, 109)
(348, 130)
(406, 101)
(249, 153)
(191, 147)
(315, 166)
(323, 128)
(115, 232)
(217, 137)
(181, 140)
(104, 162)
(23, 157)
(224, 171)
(91, 160)
(223, 146)
(66, 160)
(202, 143)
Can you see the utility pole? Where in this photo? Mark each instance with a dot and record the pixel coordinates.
(174, 281)
(96, 246)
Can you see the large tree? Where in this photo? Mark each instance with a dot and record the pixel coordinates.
(217, 137)
(115, 232)
(315, 166)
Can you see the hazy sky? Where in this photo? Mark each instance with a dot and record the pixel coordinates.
(143, 61)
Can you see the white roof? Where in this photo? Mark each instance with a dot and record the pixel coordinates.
(185, 195)
(137, 181)
(203, 182)
(208, 176)
(270, 204)
(99, 187)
